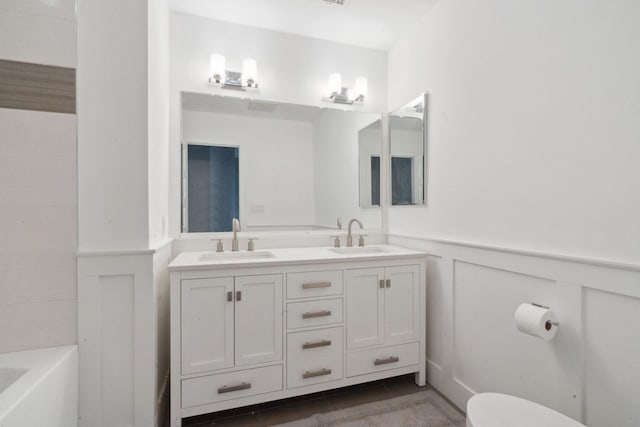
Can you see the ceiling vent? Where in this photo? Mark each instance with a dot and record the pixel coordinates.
(334, 1)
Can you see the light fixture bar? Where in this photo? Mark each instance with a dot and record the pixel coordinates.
(236, 80)
(344, 95)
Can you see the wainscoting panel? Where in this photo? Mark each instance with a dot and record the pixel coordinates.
(590, 371)
(485, 302)
(435, 310)
(116, 335)
(117, 316)
(612, 365)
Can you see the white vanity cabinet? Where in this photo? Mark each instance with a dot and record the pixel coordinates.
(230, 321)
(246, 332)
(382, 305)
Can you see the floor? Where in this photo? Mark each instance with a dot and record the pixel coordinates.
(296, 408)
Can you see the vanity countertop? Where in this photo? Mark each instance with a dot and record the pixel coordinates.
(289, 256)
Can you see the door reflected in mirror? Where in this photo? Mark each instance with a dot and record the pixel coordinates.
(369, 151)
(407, 146)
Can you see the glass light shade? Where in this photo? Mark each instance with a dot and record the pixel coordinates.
(249, 71)
(335, 83)
(217, 66)
(361, 87)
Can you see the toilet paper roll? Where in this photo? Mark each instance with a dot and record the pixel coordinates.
(536, 321)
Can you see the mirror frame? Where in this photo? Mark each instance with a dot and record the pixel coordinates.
(425, 145)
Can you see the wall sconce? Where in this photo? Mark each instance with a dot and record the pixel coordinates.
(344, 95)
(220, 76)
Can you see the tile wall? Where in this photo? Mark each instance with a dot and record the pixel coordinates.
(38, 174)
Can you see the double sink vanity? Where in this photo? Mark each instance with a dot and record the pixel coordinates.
(254, 326)
(250, 327)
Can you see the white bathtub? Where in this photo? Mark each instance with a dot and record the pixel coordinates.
(39, 387)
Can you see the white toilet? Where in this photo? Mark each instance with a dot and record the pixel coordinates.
(502, 410)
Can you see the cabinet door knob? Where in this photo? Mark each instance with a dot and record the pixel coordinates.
(388, 281)
(238, 295)
(229, 296)
(381, 283)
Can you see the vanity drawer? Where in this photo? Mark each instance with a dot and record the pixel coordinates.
(314, 284)
(314, 357)
(314, 313)
(382, 359)
(231, 385)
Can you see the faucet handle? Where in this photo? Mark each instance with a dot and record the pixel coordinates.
(336, 242)
(219, 246)
(250, 245)
(361, 239)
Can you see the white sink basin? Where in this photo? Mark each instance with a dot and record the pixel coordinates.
(360, 250)
(227, 256)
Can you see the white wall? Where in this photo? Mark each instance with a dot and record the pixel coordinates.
(533, 124)
(158, 122)
(113, 157)
(532, 147)
(336, 176)
(276, 164)
(37, 188)
(291, 69)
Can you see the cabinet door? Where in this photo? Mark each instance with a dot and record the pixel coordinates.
(258, 315)
(402, 304)
(207, 324)
(365, 307)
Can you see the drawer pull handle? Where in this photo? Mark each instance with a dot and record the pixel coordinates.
(316, 285)
(322, 343)
(225, 389)
(391, 359)
(319, 373)
(311, 314)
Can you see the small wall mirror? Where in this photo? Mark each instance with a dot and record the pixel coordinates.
(369, 151)
(408, 147)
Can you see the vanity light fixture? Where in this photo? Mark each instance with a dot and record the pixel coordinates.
(220, 76)
(344, 95)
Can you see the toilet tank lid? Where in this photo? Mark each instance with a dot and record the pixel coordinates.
(503, 410)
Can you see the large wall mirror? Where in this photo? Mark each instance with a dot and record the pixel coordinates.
(276, 166)
(408, 148)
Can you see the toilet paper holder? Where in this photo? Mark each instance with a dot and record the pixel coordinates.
(549, 323)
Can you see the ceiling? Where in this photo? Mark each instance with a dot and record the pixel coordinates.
(374, 24)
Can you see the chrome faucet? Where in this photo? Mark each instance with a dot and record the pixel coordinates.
(349, 238)
(235, 226)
